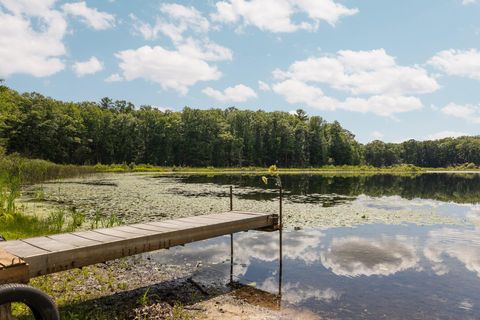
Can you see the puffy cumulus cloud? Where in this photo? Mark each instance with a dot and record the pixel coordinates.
(462, 245)
(238, 93)
(445, 134)
(31, 40)
(355, 256)
(357, 73)
(177, 19)
(384, 105)
(187, 15)
(463, 63)
(91, 66)
(90, 16)
(192, 50)
(169, 68)
(467, 112)
(296, 92)
(205, 50)
(361, 72)
(279, 15)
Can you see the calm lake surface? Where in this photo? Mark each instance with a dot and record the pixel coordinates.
(408, 269)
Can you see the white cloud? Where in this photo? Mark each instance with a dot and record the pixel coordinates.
(169, 68)
(263, 86)
(467, 2)
(187, 62)
(377, 134)
(31, 38)
(115, 77)
(299, 92)
(178, 19)
(278, 15)
(187, 15)
(446, 134)
(382, 105)
(238, 93)
(204, 50)
(362, 72)
(91, 66)
(464, 63)
(467, 112)
(90, 16)
(374, 73)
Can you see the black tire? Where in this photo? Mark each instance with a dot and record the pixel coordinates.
(42, 306)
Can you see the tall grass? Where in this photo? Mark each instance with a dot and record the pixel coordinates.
(16, 171)
(30, 171)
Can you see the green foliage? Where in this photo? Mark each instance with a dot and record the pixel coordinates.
(462, 153)
(116, 132)
(78, 218)
(56, 219)
(143, 298)
(102, 221)
(19, 225)
(112, 132)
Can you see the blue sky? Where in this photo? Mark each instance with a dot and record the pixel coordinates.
(392, 70)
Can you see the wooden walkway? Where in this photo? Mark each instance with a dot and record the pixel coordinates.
(27, 258)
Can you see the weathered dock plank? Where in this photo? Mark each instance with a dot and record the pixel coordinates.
(55, 253)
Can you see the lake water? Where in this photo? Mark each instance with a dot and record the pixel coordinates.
(377, 267)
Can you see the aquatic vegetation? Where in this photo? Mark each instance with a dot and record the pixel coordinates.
(101, 220)
(57, 219)
(78, 218)
(24, 226)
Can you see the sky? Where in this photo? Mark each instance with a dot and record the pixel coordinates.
(388, 70)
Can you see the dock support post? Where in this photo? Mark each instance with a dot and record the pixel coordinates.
(280, 237)
(231, 237)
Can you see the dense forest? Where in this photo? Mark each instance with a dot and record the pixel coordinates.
(109, 131)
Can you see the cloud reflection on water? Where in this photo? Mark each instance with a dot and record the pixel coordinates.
(357, 256)
(464, 245)
(296, 292)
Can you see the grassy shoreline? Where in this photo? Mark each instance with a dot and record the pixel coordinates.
(400, 169)
(15, 173)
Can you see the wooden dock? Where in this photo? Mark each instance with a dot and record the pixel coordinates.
(28, 258)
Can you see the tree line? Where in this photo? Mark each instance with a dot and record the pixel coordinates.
(109, 132)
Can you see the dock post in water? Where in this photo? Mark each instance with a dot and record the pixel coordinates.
(280, 237)
(231, 237)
